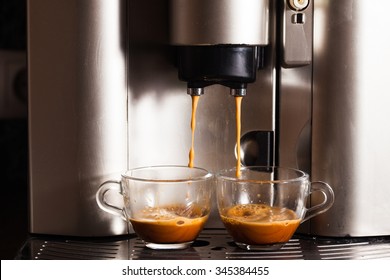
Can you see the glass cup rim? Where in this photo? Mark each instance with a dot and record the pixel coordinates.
(204, 176)
(301, 175)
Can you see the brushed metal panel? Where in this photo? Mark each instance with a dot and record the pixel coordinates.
(205, 22)
(77, 112)
(294, 92)
(351, 137)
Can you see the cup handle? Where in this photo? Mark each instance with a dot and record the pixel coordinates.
(101, 201)
(328, 201)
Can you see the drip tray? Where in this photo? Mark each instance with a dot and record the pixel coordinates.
(211, 244)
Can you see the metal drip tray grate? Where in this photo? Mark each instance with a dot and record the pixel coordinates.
(211, 244)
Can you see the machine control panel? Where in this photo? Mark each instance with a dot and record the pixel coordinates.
(297, 32)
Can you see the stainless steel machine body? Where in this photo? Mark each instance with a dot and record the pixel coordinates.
(341, 101)
(77, 113)
(350, 138)
(105, 96)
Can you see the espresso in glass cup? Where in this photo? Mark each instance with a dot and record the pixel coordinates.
(262, 208)
(167, 206)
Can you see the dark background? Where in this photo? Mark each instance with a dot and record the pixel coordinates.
(13, 142)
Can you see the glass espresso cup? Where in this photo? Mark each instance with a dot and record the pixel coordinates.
(262, 208)
(167, 206)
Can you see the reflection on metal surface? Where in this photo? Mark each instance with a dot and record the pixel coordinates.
(211, 244)
(49, 248)
(77, 113)
(350, 147)
(221, 22)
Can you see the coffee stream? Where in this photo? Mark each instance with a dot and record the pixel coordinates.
(238, 135)
(195, 100)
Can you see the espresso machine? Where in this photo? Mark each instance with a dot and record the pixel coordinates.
(110, 85)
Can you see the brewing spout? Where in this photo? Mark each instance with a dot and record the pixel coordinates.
(238, 92)
(195, 91)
